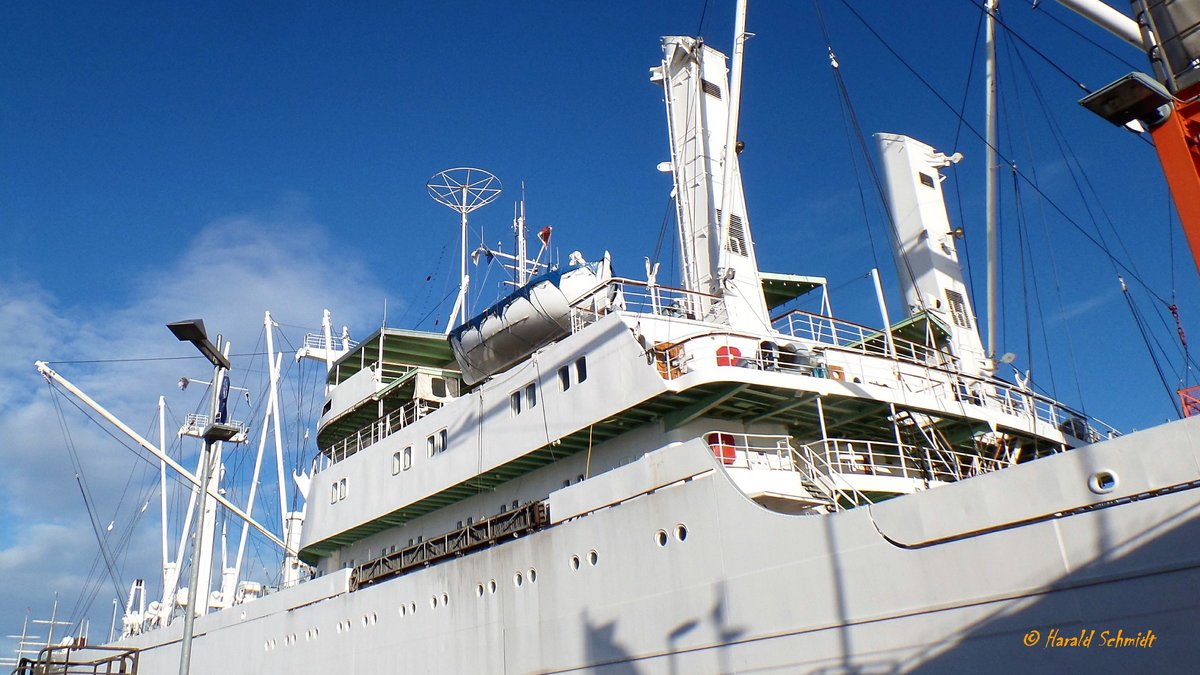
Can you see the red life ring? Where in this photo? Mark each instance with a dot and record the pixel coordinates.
(723, 447)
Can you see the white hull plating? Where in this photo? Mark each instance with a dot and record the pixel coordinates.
(956, 579)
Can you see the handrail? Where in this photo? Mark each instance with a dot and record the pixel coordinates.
(628, 295)
(374, 432)
(881, 458)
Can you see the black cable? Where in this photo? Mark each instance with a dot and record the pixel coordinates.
(1137, 320)
(1131, 273)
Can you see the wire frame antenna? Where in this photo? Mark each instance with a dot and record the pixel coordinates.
(463, 189)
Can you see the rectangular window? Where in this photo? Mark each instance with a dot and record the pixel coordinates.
(397, 458)
(564, 378)
(431, 445)
(441, 440)
(514, 403)
(531, 395)
(408, 458)
(438, 387)
(342, 489)
(581, 369)
(333, 494)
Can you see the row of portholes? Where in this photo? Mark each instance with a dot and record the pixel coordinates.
(435, 600)
(410, 608)
(574, 562)
(662, 538)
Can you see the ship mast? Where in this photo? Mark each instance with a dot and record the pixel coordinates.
(990, 160)
(716, 249)
(463, 189)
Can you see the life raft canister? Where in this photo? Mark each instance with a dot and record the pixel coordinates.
(723, 447)
(728, 356)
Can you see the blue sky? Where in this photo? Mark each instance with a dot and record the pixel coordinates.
(216, 160)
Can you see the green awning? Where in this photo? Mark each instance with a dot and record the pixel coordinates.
(780, 288)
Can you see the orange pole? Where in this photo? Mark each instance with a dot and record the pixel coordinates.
(1176, 142)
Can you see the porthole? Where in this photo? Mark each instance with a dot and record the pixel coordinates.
(445, 599)
(479, 590)
(403, 610)
(1102, 482)
(365, 621)
(518, 580)
(593, 557)
(433, 602)
(573, 563)
(532, 575)
(660, 537)
(681, 532)
(492, 587)
(412, 607)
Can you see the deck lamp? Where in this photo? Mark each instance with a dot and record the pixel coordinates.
(193, 331)
(1136, 96)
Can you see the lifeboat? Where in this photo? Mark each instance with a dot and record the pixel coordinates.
(531, 316)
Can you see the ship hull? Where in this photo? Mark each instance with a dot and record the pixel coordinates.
(987, 575)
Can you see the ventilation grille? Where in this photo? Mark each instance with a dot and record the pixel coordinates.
(710, 89)
(735, 238)
(958, 309)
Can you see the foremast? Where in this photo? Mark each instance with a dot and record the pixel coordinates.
(716, 248)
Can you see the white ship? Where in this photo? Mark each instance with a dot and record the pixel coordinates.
(609, 475)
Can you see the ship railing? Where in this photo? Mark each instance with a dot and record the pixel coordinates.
(940, 374)
(732, 350)
(627, 295)
(194, 424)
(833, 332)
(337, 344)
(775, 452)
(80, 660)
(373, 433)
(761, 452)
(901, 460)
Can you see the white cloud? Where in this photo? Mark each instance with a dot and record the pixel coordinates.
(231, 272)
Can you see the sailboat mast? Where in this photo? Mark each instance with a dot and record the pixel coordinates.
(990, 160)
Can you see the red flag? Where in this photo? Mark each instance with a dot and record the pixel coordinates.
(544, 235)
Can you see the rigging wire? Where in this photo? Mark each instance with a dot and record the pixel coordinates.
(1138, 321)
(1090, 196)
(893, 234)
(960, 116)
(1129, 272)
(88, 500)
(1035, 4)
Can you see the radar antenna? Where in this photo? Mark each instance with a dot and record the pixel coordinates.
(463, 189)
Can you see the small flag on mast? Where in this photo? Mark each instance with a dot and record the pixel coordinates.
(544, 235)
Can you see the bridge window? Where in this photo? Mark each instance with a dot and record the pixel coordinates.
(581, 369)
(564, 378)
